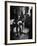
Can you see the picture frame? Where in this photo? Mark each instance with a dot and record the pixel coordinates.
(10, 15)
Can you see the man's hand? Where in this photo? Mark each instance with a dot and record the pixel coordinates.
(11, 21)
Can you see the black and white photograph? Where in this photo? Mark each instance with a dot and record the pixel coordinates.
(20, 20)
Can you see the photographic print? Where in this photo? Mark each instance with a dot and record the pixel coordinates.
(20, 22)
